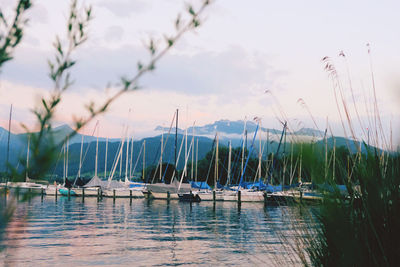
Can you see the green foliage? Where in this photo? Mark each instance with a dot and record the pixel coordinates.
(11, 33)
(44, 149)
(362, 230)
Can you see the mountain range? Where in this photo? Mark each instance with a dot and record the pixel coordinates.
(227, 131)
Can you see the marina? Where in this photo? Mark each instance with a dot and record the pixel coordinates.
(199, 133)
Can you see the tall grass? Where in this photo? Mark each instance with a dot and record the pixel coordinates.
(363, 228)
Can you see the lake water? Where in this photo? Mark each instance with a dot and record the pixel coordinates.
(142, 232)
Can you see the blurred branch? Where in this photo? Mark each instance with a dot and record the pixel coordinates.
(11, 33)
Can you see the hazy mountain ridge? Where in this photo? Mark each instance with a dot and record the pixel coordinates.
(228, 131)
(227, 127)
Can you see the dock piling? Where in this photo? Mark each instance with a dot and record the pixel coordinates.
(265, 198)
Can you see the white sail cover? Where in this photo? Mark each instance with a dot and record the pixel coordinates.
(95, 182)
(172, 187)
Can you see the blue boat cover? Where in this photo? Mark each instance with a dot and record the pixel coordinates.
(136, 185)
(200, 185)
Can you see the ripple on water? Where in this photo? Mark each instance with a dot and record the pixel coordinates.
(91, 233)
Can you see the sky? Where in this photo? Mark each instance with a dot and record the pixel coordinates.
(248, 59)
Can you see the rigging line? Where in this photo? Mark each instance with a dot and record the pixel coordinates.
(120, 147)
(164, 146)
(223, 168)
(186, 159)
(137, 159)
(87, 149)
(154, 160)
(212, 158)
(248, 157)
(179, 156)
(169, 161)
(55, 166)
(236, 165)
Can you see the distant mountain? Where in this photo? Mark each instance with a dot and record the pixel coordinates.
(228, 131)
(59, 134)
(227, 127)
(222, 127)
(310, 132)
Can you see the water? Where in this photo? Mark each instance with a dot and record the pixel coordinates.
(144, 232)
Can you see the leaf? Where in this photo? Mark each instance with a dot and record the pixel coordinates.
(191, 11)
(178, 22)
(139, 66)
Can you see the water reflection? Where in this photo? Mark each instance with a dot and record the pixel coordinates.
(143, 232)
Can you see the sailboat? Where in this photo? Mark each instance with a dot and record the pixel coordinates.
(207, 194)
(28, 185)
(117, 189)
(246, 195)
(171, 190)
(92, 188)
(66, 189)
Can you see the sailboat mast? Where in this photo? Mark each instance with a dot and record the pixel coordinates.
(192, 156)
(97, 152)
(197, 156)
(105, 159)
(8, 141)
(130, 163)
(243, 146)
(80, 158)
(27, 158)
(259, 158)
(216, 166)
(186, 152)
(64, 163)
(120, 162)
(161, 154)
(66, 167)
(144, 156)
(229, 163)
(127, 158)
(267, 164)
(176, 139)
(284, 160)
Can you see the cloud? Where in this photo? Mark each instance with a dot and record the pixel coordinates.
(233, 74)
(124, 8)
(114, 34)
(39, 14)
(230, 72)
(29, 67)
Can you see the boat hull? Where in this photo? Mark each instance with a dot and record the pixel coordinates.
(209, 195)
(26, 187)
(123, 193)
(77, 192)
(156, 195)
